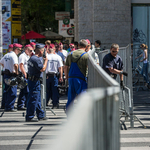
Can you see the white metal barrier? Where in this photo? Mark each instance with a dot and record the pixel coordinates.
(94, 123)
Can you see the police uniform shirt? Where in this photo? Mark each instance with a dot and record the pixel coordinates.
(54, 62)
(9, 60)
(110, 61)
(34, 66)
(23, 58)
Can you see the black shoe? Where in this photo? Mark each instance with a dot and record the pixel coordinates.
(2, 107)
(23, 108)
(56, 106)
(148, 86)
(44, 118)
(32, 120)
(11, 110)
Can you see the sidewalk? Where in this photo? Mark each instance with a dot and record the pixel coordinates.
(138, 138)
(16, 134)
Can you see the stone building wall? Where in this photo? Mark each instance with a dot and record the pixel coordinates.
(105, 20)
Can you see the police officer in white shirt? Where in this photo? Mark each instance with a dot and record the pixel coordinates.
(10, 63)
(23, 69)
(54, 64)
(10, 48)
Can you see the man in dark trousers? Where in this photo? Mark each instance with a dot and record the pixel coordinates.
(112, 63)
(35, 69)
(75, 71)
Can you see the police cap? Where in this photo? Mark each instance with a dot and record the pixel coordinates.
(40, 45)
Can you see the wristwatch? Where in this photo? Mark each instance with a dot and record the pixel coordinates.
(121, 72)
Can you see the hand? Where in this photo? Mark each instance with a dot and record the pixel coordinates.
(60, 79)
(25, 76)
(121, 84)
(141, 60)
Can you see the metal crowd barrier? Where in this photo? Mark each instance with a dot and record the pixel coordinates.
(93, 124)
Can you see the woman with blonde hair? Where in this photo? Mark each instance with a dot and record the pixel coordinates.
(144, 71)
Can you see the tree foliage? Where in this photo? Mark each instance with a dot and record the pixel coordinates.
(40, 14)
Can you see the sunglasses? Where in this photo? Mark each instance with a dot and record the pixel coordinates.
(71, 47)
(19, 49)
(114, 51)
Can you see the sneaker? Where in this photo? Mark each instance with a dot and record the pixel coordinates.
(148, 86)
(23, 108)
(44, 118)
(2, 107)
(32, 120)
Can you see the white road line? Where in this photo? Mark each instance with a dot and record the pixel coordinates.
(134, 140)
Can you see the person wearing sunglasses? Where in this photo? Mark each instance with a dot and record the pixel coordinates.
(10, 64)
(23, 69)
(144, 71)
(113, 64)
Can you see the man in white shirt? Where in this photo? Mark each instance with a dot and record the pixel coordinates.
(65, 53)
(10, 63)
(23, 68)
(54, 64)
(10, 48)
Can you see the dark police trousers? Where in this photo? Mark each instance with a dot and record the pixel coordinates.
(77, 82)
(52, 90)
(22, 99)
(34, 100)
(9, 95)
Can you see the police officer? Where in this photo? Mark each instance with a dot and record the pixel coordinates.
(10, 63)
(54, 64)
(76, 65)
(113, 65)
(10, 48)
(35, 68)
(23, 68)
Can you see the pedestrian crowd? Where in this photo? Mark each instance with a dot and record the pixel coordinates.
(23, 67)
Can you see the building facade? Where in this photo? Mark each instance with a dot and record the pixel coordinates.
(113, 21)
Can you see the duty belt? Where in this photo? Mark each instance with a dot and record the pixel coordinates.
(34, 78)
(51, 75)
(7, 72)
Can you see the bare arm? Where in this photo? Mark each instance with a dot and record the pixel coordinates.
(23, 70)
(61, 74)
(115, 71)
(44, 65)
(66, 71)
(16, 68)
(145, 52)
(2, 64)
(139, 56)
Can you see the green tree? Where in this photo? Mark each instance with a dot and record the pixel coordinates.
(40, 14)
